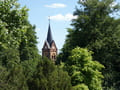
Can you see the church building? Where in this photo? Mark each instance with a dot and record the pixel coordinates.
(49, 48)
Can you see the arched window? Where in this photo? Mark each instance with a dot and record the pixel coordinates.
(53, 56)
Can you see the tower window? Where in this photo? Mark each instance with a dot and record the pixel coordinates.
(53, 57)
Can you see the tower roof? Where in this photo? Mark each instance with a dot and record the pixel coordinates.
(49, 35)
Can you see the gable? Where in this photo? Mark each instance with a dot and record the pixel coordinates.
(53, 45)
(46, 45)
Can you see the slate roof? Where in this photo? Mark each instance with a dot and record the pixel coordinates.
(49, 36)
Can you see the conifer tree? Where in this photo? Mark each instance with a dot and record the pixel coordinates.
(49, 77)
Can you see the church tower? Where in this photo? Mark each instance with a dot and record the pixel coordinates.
(49, 48)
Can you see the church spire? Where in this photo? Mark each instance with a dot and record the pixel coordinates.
(49, 35)
(49, 48)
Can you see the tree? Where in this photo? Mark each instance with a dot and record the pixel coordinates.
(3, 79)
(85, 73)
(13, 23)
(49, 77)
(12, 79)
(17, 46)
(15, 30)
(16, 78)
(28, 49)
(97, 29)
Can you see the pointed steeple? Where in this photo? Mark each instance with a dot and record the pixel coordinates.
(49, 34)
(49, 48)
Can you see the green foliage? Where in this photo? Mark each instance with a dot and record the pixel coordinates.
(49, 77)
(17, 44)
(21, 66)
(28, 49)
(84, 72)
(3, 79)
(17, 79)
(97, 29)
(12, 24)
(29, 67)
(80, 87)
(9, 57)
(12, 79)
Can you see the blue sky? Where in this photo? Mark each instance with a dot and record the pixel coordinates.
(61, 14)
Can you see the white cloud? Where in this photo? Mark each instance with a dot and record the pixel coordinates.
(113, 4)
(60, 17)
(56, 5)
(82, 1)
